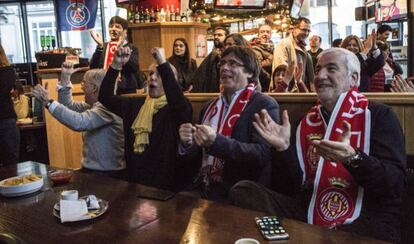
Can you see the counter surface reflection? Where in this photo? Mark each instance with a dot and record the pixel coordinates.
(130, 219)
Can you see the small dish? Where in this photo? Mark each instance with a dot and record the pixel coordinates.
(92, 213)
(60, 176)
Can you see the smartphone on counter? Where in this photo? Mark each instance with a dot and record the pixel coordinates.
(271, 228)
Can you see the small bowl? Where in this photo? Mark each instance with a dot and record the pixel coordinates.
(60, 176)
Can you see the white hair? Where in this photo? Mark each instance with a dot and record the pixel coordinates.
(352, 63)
(95, 76)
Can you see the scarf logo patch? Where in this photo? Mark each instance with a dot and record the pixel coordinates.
(334, 204)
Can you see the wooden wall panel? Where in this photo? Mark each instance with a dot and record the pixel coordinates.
(148, 35)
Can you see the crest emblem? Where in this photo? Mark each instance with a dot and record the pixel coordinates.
(77, 15)
(334, 204)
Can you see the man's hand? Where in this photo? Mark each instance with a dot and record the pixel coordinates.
(298, 72)
(67, 71)
(204, 135)
(399, 84)
(96, 37)
(158, 54)
(186, 133)
(276, 135)
(121, 57)
(41, 93)
(336, 150)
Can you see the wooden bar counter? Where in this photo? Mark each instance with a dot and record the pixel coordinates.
(64, 144)
(131, 219)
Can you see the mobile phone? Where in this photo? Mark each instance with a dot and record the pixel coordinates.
(160, 195)
(271, 228)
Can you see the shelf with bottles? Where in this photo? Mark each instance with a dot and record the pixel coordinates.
(137, 14)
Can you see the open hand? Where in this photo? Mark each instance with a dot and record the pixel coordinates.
(340, 150)
(96, 37)
(41, 93)
(66, 73)
(278, 136)
(399, 84)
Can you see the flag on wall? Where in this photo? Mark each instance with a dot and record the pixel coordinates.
(75, 15)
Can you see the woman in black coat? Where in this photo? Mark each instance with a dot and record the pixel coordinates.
(9, 133)
(183, 63)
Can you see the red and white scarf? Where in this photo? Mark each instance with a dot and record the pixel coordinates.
(109, 54)
(223, 122)
(336, 198)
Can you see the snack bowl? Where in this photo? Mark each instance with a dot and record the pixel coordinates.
(60, 176)
(21, 185)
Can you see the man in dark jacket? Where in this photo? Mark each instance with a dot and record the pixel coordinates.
(206, 77)
(104, 54)
(224, 145)
(346, 173)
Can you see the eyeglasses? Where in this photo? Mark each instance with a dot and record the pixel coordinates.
(230, 62)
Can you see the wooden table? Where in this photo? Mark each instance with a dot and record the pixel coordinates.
(130, 219)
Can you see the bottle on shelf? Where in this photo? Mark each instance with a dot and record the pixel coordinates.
(43, 42)
(167, 14)
(157, 14)
(162, 15)
(141, 15)
(172, 14)
(137, 15)
(152, 15)
(53, 41)
(177, 15)
(147, 16)
(188, 15)
(131, 14)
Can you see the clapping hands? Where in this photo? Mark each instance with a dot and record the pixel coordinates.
(202, 135)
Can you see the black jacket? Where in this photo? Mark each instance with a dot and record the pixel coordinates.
(130, 71)
(158, 165)
(7, 80)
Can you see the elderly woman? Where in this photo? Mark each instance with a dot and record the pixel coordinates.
(9, 133)
(103, 138)
(369, 56)
(183, 63)
(151, 128)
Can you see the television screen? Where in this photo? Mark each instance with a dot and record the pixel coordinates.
(295, 9)
(240, 4)
(389, 10)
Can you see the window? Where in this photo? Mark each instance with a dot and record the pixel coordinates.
(11, 35)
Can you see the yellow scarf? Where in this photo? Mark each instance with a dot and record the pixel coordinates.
(142, 125)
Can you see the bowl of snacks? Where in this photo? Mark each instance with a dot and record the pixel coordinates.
(21, 185)
(61, 176)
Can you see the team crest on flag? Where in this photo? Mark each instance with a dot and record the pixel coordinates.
(76, 14)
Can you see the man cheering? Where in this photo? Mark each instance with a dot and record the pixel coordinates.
(350, 178)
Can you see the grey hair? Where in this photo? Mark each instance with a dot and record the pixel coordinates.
(95, 76)
(174, 70)
(351, 60)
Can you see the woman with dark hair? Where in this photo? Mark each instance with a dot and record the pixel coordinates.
(9, 133)
(369, 56)
(183, 63)
(235, 39)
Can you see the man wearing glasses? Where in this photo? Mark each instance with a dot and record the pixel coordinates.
(291, 52)
(224, 144)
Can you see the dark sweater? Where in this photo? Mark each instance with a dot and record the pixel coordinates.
(185, 72)
(7, 80)
(382, 174)
(158, 165)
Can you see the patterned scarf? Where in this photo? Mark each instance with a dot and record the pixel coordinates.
(336, 198)
(223, 123)
(142, 125)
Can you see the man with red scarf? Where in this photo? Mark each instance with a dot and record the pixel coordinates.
(347, 164)
(224, 145)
